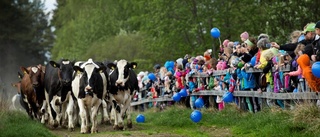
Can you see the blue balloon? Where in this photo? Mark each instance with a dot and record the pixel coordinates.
(316, 69)
(166, 65)
(183, 92)
(140, 118)
(152, 76)
(215, 32)
(196, 116)
(199, 103)
(227, 97)
(171, 64)
(176, 97)
(253, 61)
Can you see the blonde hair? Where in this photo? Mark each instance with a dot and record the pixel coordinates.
(268, 54)
(294, 36)
(282, 59)
(300, 47)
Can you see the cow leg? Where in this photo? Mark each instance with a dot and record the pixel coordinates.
(94, 111)
(28, 106)
(64, 106)
(119, 116)
(127, 110)
(55, 104)
(112, 114)
(88, 120)
(105, 116)
(70, 113)
(43, 112)
(83, 116)
(76, 117)
(49, 109)
(115, 111)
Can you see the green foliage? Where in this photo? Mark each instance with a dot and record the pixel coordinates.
(169, 29)
(14, 123)
(23, 23)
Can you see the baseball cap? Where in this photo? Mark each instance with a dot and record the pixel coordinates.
(309, 27)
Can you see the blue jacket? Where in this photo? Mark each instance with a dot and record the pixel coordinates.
(248, 80)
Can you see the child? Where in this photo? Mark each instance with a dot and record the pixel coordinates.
(167, 82)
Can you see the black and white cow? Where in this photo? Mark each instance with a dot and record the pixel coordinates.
(89, 87)
(123, 83)
(58, 79)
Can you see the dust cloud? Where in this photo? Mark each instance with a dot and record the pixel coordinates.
(11, 58)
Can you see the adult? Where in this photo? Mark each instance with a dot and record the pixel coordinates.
(309, 34)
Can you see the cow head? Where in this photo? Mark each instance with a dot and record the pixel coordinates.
(34, 73)
(65, 71)
(122, 69)
(17, 85)
(91, 74)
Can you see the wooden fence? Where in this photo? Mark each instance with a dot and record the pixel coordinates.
(268, 95)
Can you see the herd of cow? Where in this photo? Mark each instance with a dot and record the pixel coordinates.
(60, 92)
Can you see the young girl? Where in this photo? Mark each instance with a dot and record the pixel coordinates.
(180, 74)
(167, 82)
(298, 72)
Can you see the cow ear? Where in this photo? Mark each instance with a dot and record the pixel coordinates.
(111, 66)
(77, 69)
(24, 70)
(54, 64)
(102, 68)
(20, 75)
(133, 65)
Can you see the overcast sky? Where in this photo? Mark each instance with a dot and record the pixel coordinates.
(49, 6)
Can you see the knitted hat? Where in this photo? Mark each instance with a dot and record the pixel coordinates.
(244, 35)
(263, 43)
(262, 35)
(225, 42)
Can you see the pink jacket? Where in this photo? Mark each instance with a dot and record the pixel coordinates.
(296, 73)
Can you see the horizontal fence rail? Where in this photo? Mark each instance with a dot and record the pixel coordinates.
(269, 95)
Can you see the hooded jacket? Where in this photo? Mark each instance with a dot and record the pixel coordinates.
(304, 63)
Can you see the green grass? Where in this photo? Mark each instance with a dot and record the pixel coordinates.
(14, 123)
(175, 121)
(266, 123)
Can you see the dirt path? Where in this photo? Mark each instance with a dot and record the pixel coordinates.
(136, 131)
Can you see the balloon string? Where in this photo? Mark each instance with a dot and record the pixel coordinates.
(220, 41)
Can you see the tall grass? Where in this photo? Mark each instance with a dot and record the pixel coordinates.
(18, 124)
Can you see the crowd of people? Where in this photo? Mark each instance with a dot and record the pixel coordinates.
(255, 52)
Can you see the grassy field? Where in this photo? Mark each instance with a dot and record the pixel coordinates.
(175, 121)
